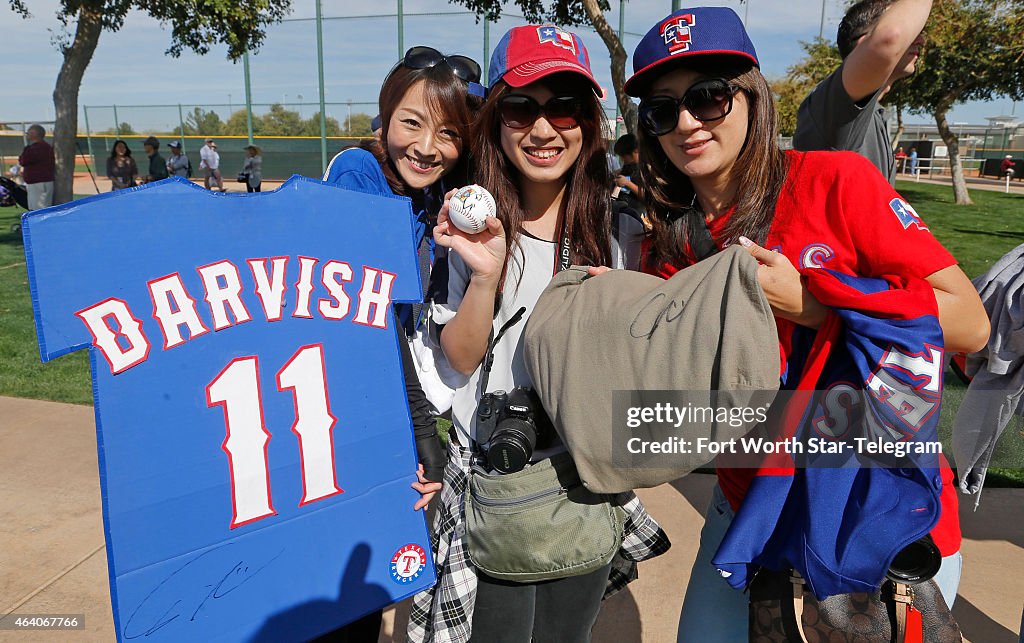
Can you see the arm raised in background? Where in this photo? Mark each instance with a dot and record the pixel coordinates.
(871, 64)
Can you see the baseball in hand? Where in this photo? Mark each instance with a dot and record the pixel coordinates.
(469, 208)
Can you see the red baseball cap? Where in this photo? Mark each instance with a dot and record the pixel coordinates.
(528, 53)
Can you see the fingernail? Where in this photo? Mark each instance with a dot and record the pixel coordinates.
(745, 242)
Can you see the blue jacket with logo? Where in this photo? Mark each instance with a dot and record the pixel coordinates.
(872, 371)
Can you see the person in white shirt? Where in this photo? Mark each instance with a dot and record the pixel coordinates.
(210, 164)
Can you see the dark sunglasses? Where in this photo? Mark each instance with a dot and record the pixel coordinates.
(707, 101)
(428, 58)
(519, 112)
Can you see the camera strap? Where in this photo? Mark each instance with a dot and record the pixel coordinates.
(492, 341)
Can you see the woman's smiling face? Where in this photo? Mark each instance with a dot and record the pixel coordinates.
(421, 144)
(540, 152)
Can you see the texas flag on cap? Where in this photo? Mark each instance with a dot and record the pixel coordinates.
(700, 31)
(528, 53)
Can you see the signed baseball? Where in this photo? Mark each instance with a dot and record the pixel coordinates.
(469, 208)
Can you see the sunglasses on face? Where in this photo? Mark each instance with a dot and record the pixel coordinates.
(707, 101)
(428, 58)
(519, 112)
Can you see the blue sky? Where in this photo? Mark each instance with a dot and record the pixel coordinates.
(130, 68)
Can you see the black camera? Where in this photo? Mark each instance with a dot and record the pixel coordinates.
(916, 563)
(510, 426)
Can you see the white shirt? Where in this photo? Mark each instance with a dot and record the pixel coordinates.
(209, 157)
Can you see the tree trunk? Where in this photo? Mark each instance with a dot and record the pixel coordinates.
(65, 99)
(611, 40)
(900, 128)
(953, 144)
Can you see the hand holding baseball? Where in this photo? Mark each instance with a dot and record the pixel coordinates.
(483, 251)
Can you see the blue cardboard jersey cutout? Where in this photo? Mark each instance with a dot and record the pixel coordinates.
(255, 445)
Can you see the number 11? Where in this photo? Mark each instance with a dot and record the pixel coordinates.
(237, 390)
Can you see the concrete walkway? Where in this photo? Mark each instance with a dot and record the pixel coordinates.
(53, 559)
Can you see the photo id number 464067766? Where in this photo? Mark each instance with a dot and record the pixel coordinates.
(43, 622)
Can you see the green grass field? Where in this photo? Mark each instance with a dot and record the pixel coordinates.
(977, 235)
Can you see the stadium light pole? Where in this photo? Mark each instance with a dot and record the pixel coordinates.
(821, 28)
(487, 46)
(248, 97)
(676, 5)
(401, 31)
(622, 29)
(181, 128)
(320, 78)
(746, 11)
(88, 134)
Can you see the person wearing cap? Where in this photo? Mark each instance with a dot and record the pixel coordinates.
(714, 176)
(178, 164)
(538, 147)
(157, 165)
(210, 165)
(252, 169)
(880, 42)
(375, 126)
(1007, 167)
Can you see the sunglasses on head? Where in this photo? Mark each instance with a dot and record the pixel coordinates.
(519, 112)
(707, 101)
(428, 58)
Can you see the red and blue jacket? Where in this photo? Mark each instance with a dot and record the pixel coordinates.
(872, 371)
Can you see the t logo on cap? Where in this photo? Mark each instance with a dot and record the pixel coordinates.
(556, 37)
(676, 32)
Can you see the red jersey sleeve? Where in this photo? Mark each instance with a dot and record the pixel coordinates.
(889, 235)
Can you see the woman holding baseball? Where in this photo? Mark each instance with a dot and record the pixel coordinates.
(716, 176)
(507, 571)
(426, 105)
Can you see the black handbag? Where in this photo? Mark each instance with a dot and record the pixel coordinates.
(243, 177)
(783, 611)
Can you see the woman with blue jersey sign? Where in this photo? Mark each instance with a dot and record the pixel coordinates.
(426, 107)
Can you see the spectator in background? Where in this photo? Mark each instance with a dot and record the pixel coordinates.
(253, 168)
(879, 41)
(376, 126)
(121, 168)
(627, 180)
(178, 164)
(210, 165)
(901, 160)
(1007, 167)
(37, 168)
(157, 165)
(913, 161)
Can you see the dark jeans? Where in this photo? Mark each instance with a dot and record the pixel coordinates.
(560, 611)
(249, 188)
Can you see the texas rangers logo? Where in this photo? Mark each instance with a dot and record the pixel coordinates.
(408, 563)
(815, 255)
(676, 32)
(907, 215)
(556, 37)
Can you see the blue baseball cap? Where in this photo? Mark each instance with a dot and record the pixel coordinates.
(700, 31)
(530, 52)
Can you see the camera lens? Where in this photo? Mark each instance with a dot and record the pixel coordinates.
(916, 563)
(512, 445)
